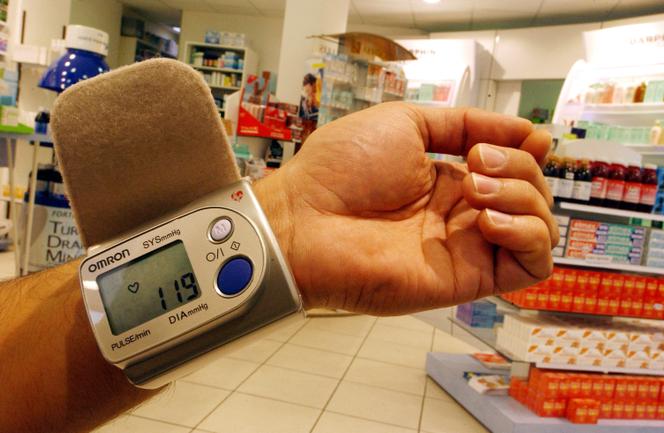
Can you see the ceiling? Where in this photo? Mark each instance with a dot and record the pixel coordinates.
(445, 15)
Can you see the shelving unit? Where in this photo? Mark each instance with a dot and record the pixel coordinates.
(217, 51)
(609, 266)
(599, 210)
(502, 414)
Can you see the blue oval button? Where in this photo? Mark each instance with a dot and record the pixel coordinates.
(234, 276)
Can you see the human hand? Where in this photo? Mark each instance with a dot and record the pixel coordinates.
(369, 223)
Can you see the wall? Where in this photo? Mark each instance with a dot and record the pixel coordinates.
(264, 33)
(104, 15)
(508, 95)
(539, 94)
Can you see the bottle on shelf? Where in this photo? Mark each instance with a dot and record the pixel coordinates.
(582, 182)
(566, 179)
(648, 188)
(640, 92)
(551, 173)
(632, 191)
(600, 178)
(615, 187)
(655, 133)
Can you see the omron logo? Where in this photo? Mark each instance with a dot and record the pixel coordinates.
(101, 264)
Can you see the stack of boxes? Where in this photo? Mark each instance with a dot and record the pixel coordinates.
(615, 243)
(585, 398)
(655, 252)
(594, 292)
(479, 314)
(581, 342)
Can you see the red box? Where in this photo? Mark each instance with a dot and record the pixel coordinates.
(566, 299)
(638, 295)
(626, 295)
(651, 409)
(643, 388)
(605, 409)
(640, 408)
(618, 282)
(547, 385)
(574, 381)
(632, 387)
(653, 389)
(620, 390)
(530, 300)
(586, 382)
(660, 410)
(545, 407)
(555, 294)
(542, 302)
(583, 410)
(618, 409)
(630, 409)
(569, 278)
(609, 387)
(560, 406)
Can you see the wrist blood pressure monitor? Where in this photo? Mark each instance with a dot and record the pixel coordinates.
(182, 271)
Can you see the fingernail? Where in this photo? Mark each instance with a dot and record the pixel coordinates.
(484, 184)
(491, 157)
(499, 218)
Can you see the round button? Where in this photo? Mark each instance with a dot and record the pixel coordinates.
(221, 230)
(234, 276)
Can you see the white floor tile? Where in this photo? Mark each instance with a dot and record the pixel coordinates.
(242, 413)
(433, 390)
(337, 423)
(444, 342)
(408, 356)
(258, 351)
(289, 385)
(390, 376)
(311, 360)
(326, 340)
(184, 403)
(283, 333)
(226, 373)
(406, 322)
(376, 404)
(357, 326)
(407, 337)
(440, 416)
(133, 424)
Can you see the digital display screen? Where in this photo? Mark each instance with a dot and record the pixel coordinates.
(147, 287)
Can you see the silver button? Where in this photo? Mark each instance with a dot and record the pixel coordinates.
(221, 230)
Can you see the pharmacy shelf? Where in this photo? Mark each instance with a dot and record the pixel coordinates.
(503, 414)
(513, 308)
(646, 149)
(216, 47)
(214, 69)
(489, 337)
(605, 370)
(622, 109)
(223, 87)
(608, 266)
(599, 210)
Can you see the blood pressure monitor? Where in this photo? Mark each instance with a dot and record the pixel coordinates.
(182, 286)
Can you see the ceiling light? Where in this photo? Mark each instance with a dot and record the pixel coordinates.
(176, 29)
(431, 2)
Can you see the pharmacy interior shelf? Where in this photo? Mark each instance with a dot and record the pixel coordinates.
(636, 109)
(212, 68)
(216, 47)
(608, 266)
(223, 87)
(599, 210)
(489, 337)
(513, 308)
(503, 414)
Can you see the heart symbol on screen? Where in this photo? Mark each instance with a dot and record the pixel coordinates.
(133, 287)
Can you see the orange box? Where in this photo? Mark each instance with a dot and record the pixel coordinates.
(660, 410)
(598, 387)
(545, 407)
(574, 381)
(618, 409)
(650, 296)
(530, 300)
(640, 407)
(555, 294)
(653, 389)
(548, 385)
(566, 299)
(642, 388)
(586, 381)
(609, 387)
(542, 301)
(632, 387)
(583, 410)
(651, 409)
(618, 282)
(620, 390)
(563, 386)
(569, 278)
(630, 409)
(605, 409)
(638, 295)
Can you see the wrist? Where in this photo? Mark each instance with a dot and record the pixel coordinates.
(274, 197)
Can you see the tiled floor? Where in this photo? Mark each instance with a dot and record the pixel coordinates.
(355, 374)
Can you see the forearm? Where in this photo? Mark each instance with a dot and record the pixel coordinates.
(53, 376)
